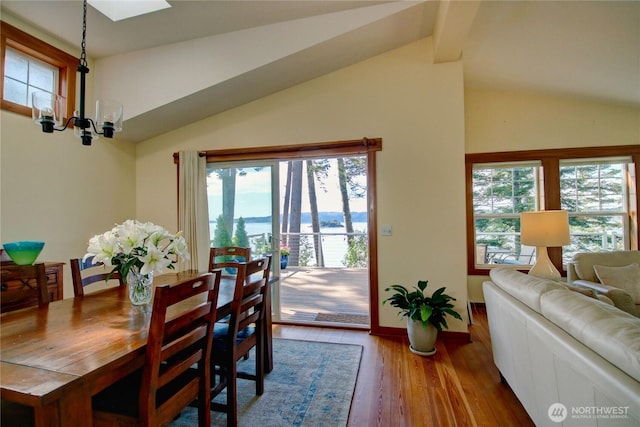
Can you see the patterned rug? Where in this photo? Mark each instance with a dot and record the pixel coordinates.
(311, 384)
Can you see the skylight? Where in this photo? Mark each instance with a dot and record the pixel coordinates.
(117, 10)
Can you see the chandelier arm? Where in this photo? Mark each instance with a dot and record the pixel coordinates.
(94, 127)
(66, 125)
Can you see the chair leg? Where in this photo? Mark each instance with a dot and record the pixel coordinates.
(204, 404)
(259, 367)
(232, 400)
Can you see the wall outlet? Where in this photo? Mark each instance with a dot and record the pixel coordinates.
(386, 230)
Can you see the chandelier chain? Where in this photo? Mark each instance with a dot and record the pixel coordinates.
(83, 55)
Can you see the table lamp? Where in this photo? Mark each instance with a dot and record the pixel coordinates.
(544, 229)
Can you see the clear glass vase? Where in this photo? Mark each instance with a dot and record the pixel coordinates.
(140, 286)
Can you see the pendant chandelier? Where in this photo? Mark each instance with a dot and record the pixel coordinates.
(47, 107)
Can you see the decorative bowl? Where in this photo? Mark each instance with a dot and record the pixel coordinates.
(23, 252)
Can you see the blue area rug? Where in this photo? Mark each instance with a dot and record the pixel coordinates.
(311, 384)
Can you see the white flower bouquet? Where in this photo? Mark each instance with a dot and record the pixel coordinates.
(143, 247)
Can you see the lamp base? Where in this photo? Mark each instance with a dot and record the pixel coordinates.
(544, 268)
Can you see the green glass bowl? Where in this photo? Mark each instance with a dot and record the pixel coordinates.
(24, 252)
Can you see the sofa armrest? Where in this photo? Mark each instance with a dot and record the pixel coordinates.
(621, 298)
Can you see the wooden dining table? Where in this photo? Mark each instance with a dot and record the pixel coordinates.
(55, 358)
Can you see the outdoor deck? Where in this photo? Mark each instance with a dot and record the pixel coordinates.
(325, 296)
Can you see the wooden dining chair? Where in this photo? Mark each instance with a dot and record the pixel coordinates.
(177, 368)
(244, 331)
(228, 257)
(23, 286)
(85, 273)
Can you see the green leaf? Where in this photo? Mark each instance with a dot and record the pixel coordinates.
(425, 312)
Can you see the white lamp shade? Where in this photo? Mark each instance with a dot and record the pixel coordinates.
(544, 228)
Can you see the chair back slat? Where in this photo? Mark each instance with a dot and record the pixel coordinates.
(85, 272)
(231, 256)
(177, 341)
(23, 286)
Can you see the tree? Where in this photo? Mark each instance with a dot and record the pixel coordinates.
(221, 236)
(295, 216)
(287, 200)
(344, 194)
(228, 176)
(240, 237)
(357, 252)
(313, 203)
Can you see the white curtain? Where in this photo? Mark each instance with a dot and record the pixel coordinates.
(193, 209)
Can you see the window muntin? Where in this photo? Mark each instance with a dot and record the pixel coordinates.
(24, 75)
(500, 193)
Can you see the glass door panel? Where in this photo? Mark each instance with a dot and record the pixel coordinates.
(243, 209)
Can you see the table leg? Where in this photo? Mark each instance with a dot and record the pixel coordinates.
(47, 416)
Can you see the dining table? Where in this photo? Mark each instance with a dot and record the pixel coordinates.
(55, 358)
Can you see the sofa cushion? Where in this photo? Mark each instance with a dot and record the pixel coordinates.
(584, 291)
(608, 331)
(522, 286)
(626, 277)
(583, 262)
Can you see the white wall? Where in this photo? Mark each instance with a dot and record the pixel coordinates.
(414, 106)
(511, 121)
(52, 188)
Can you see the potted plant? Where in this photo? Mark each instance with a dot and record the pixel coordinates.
(284, 255)
(425, 315)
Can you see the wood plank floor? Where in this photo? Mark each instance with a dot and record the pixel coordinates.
(458, 386)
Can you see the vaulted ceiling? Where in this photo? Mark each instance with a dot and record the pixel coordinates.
(248, 49)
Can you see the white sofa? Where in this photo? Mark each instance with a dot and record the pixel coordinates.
(556, 346)
(581, 272)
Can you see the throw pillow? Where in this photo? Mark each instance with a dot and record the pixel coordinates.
(626, 277)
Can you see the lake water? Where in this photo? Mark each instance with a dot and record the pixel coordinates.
(334, 247)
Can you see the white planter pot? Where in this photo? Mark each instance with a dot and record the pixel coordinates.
(422, 340)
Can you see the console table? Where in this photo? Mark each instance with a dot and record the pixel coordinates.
(53, 270)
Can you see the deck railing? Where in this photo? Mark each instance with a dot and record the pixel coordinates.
(333, 247)
(580, 242)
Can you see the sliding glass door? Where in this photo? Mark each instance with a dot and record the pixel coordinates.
(311, 214)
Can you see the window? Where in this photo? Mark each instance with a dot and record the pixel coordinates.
(594, 192)
(595, 185)
(29, 65)
(500, 193)
(24, 75)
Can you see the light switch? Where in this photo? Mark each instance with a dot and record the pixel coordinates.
(386, 230)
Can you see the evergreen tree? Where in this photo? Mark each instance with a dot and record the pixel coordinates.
(240, 237)
(221, 236)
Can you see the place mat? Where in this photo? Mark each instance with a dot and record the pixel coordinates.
(360, 319)
(311, 384)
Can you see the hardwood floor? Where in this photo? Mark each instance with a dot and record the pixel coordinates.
(458, 386)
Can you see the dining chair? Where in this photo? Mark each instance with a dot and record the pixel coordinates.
(243, 332)
(227, 257)
(23, 286)
(177, 360)
(85, 273)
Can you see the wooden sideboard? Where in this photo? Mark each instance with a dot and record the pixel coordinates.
(54, 274)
